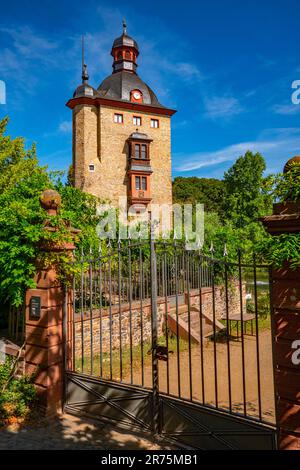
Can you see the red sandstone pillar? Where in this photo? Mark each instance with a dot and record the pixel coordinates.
(44, 332)
(286, 316)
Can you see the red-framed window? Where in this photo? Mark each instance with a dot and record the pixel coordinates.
(141, 151)
(141, 183)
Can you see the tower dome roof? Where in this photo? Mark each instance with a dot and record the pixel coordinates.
(125, 40)
(119, 85)
(85, 90)
(124, 84)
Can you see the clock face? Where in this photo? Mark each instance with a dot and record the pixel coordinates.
(128, 65)
(137, 95)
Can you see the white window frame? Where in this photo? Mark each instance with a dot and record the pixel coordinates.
(118, 118)
(137, 120)
(91, 168)
(154, 123)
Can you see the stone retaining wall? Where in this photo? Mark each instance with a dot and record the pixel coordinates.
(140, 319)
(233, 295)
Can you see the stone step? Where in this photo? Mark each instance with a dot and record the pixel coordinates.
(184, 329)
(181, 309)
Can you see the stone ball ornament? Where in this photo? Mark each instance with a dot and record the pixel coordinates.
(50, 200)
(287, 166)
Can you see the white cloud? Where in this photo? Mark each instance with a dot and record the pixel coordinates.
(280, 146)
(286, 109)
(186, 71)
(26, 55)
(29, 52)
(30, 58)
(65, 127)
(222, 107)
(29, 45)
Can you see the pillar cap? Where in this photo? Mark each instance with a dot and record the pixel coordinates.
(50, 200)
(295, 159)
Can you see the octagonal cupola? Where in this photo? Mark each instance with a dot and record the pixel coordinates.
(125, 52)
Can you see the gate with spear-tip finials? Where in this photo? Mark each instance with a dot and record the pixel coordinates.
(168, 340)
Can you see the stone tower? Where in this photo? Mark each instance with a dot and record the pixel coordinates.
(122, 134)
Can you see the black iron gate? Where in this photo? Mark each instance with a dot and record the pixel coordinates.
(165, 339)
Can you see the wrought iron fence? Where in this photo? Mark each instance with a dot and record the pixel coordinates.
(177, 322)
(123, 276)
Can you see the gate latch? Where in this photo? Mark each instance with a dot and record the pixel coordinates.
(161, 352)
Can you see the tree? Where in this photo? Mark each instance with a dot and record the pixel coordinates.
(80, 210)
(22, 181)
(208, 191)
(248, 193)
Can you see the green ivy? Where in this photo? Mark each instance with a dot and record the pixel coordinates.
(283, 248)
(22, 220)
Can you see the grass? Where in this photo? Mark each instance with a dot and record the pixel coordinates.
(127, 353)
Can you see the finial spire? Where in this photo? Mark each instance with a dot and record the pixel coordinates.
(85, 75)
(124, 26)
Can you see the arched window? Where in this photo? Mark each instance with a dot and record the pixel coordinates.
(127, 55)
(119, 55)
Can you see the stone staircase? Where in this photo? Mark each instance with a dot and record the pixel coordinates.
(183, 323)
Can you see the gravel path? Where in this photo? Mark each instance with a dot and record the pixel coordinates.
(236, 381)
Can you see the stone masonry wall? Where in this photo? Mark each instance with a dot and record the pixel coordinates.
(98, 140)
(85, 144)
(123, 316)
(86, 326)
(234, 306)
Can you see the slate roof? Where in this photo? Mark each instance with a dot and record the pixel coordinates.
(119, 85)
(125, 40)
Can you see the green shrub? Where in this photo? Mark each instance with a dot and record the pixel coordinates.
(263, 304)
(288, 183)
(16, 393)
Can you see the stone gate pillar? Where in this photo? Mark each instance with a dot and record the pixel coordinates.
(286, 320)
(44, 332)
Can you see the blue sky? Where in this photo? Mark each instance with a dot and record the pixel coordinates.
(227, 66)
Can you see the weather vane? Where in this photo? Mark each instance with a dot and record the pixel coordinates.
(124, 26)
(85, 75)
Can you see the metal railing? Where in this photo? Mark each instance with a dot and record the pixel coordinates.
(180, 323)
